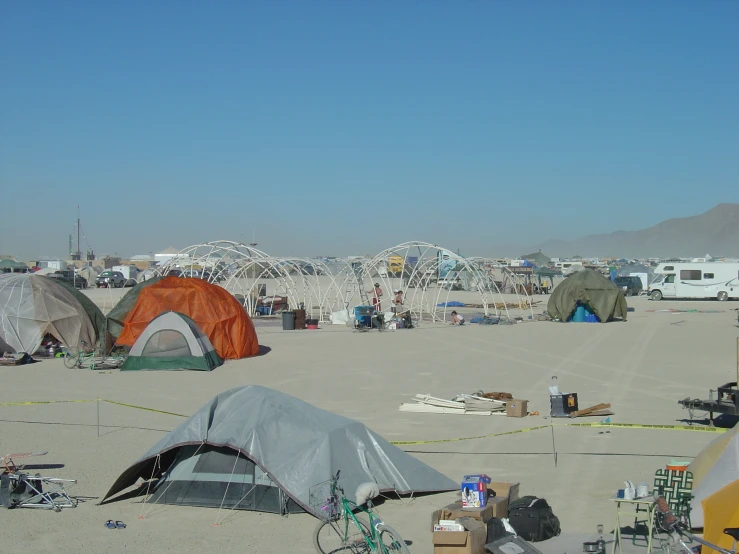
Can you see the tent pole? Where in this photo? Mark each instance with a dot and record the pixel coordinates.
(216, 524)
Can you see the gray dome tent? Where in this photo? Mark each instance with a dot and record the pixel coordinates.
(255, 448)
(32, 305)
(587, 287)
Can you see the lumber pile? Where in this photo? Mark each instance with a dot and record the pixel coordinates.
(463, 404)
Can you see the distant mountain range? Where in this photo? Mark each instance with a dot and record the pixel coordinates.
(715, 232)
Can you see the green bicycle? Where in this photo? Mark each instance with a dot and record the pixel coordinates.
(342, 530)
(85, 358)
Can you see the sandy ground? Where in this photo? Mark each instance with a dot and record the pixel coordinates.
(642, 367)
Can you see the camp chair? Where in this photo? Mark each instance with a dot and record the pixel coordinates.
(676, 486)
(21, 490)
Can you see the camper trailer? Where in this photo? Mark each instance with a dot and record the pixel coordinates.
(569, 267)
(695, 280)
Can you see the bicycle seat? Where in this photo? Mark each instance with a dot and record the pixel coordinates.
(732, 532)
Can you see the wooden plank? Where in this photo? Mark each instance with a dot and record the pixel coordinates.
(586, 411)
(429, 409)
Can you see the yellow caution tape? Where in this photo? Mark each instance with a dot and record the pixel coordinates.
(44, 402)
(403, 443)
(141, 408)
(646, 426)
(435, 441)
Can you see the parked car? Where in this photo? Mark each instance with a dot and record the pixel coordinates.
(69, 278)
(630, 286)
(110, 279)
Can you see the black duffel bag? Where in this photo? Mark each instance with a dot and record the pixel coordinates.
(533, 519)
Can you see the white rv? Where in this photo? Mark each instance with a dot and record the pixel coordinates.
(695, 280)
(569, 267)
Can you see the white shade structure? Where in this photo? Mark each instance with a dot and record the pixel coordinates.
(429, 275)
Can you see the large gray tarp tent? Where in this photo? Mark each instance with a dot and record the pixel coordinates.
(587, 287)
(256, 448)
(33, 305)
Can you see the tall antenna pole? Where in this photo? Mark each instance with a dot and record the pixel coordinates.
(78, 230)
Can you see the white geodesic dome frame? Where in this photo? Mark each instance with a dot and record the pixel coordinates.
(510, 282)
(218, 258)
(246, 272)
(419, 281)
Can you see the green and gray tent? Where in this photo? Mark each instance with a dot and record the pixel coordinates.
(587, 287)
(172, 341)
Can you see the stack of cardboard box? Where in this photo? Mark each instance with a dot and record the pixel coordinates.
(471, 540)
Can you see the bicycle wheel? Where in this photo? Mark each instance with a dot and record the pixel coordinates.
(328, 537)
(71, 360)
(390, 540)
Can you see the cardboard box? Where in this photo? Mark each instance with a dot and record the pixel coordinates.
(470, 541)
(516, 408)
(504, 493)
(455, 510)
(474, 491)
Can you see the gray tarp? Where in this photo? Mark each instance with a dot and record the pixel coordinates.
(296, 444)
(587, 287)
(33, 305)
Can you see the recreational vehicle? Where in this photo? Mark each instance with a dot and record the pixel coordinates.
(569, 267)
(695, 280)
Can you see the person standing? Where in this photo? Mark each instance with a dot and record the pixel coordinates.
(376, 293)
(398, 301)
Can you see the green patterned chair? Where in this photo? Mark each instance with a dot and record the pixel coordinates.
(677, 488)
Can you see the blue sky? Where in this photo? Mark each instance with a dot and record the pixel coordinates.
(338, 127)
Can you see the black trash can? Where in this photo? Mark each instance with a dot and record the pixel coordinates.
(288, 321)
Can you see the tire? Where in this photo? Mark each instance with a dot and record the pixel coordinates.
(656, 295)
(70, 360)
(390, 541)
(722, 296)
(327, 538)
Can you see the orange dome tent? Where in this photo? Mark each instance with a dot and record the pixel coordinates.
(218, 315)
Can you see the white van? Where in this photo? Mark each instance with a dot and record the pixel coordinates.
(695, 280)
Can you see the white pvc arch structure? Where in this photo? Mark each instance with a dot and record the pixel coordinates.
(254, 276)
(420, 283)
(246, 272)
(510, 282)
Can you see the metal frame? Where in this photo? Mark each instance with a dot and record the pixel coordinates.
(323, 288)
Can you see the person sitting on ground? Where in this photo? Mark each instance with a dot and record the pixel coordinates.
(457, 319)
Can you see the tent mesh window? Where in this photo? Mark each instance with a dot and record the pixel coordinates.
(166, 343)
(214, 476)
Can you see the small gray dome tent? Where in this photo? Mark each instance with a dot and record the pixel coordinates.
(255, 448)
